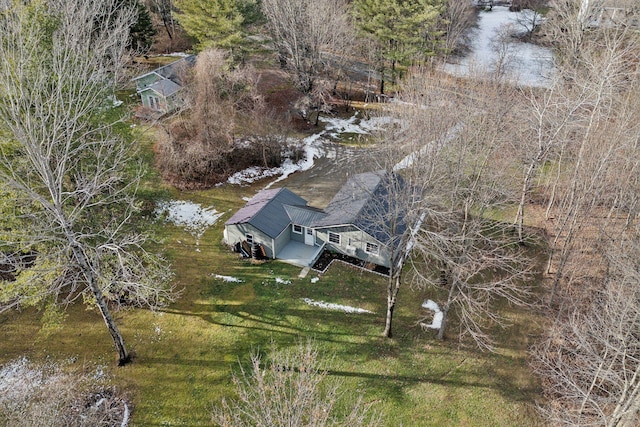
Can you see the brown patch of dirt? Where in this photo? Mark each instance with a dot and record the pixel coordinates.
(277, 90)
(280, 96)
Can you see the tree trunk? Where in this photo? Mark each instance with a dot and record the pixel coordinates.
(387, 327)
(447, 307)
(443, 325)
(116, 336)
(392, 296)
(519, 220)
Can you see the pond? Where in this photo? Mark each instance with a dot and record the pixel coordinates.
(494, 50)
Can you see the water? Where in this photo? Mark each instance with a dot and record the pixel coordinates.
(525, 63)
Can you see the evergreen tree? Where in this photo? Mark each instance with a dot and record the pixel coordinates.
(400, 29)
(213, 23)
(142, 31)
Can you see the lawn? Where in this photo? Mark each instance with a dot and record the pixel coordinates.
(185, 354)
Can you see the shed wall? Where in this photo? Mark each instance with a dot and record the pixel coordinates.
(237, 233)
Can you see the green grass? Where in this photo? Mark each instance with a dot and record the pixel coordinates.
(185, 354)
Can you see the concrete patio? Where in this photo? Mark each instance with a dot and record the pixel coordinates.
(299, 254)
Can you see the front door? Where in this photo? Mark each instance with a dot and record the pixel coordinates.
(308, 236)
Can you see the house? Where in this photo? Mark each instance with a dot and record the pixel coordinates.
(161, 89)
(610, 13)
(356, 222)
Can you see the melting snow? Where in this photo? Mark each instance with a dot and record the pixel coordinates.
(227, 278)
(192, 216)
(436, 323)
(336, 126)
(337, 307)
(282, 281)
(314, 147)
(312, 150)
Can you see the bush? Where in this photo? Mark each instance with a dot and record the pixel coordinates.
(53, 395)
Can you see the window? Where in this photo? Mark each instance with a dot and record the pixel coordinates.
(249, 238)
(153, 103)
(334, 238)
(372, 248)
(297, 229)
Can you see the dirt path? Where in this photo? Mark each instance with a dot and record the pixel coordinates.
(320, 183)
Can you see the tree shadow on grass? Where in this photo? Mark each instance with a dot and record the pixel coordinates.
(274, 323)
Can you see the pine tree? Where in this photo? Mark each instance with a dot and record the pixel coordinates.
(213, 23)
(142, 31)
(399, 28)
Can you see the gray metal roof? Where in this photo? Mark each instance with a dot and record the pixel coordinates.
(164, 87)
(346, 205)
(266, 211)
(304, 215)
(174, 71)
(365, 201)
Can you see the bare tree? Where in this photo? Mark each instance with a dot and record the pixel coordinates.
(506, 54)
(290, 389)
(586, 128)
(529, 14)
(477, 258)
(303, 31)
(164, 8)
(68, 167)
(452, 149)
(456, 21)
(590, 359)
(51, 394)
(200, 146)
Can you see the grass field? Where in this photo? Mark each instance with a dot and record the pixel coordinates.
(185, 354)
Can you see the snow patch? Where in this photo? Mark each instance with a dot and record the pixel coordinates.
(281, 281)
(18, 379)
(230, 279)
(336, 126)
(314, 147)
(336, 307)
(436, 323)
(191, 216)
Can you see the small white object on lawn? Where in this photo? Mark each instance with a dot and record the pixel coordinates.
(436, 323)
(315, 279)
(282, 281)
(230, 279)
(337, 307)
